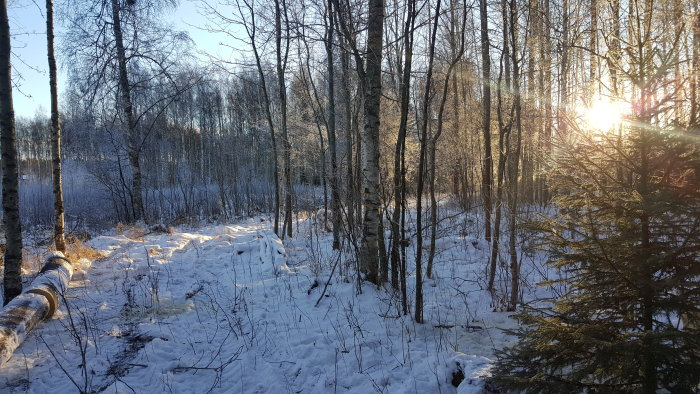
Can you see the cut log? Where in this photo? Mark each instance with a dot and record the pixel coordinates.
(38, 302)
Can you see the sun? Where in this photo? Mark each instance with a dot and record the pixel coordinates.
(604, 114)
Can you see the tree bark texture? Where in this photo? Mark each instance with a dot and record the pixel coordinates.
(418, 313)
(12, 282)
(133, 143)
(58, 234)
(487, 169)
(335, 195)
(39, 302)
(399, 175)
(515, 161)
(286, 147)
(369, 249)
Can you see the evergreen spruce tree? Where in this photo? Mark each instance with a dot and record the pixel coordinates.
(630, 263)
(626, 241)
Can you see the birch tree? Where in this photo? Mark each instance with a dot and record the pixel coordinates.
(12, 281)
(116, 45)
(58, 235)
(369, 69)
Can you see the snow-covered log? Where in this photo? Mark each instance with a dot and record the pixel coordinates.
(39, 301)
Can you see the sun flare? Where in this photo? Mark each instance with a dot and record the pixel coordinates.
(605, 115)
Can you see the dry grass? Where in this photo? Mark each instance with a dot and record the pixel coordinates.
(33, 257)
(131, 231)
(77, 250)
(81, 255)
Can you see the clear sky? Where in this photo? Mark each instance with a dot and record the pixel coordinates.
(30, 65)
(29, 62)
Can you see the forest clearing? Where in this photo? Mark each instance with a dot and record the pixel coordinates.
(228, 308)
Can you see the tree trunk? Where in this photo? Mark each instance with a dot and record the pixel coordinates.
(487, 169)
(514, 184)
(134, 148)
(593, 77)
(286, 147)
(59, 239)
(695, 74)
(381, 243)
(564, 71)
(425, 113)
(324, 171)
(359, 151)
(402, 229)
(503, 143)
(251, 31)
(39, 302)
(506, 44)
(312, 94)
(614, 55)
(12, 281)
(335, 196)
(350, 192)
(545, 92)
(644, 108)
(434, 141)
(399, 175)
(369, 248)
(433, 200)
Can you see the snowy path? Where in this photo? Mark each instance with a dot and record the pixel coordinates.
(223, 309)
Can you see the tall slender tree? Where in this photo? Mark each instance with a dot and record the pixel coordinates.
(487, 167)
(127, 107)
(515, 161)
(564, 70)
(505, 124)
(118, 55)
(695, 73)
(348, 126)
(282, 52)
(545, 99)
(335, 195)
(400, 149)
(593, 79)
(425, 114)
(457, 53)
(251, 28)
(58, 234)
(12, 281)
(369, 248)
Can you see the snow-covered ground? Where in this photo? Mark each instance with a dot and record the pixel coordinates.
(231, 309)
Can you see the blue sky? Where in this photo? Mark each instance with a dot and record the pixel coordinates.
(29, 62)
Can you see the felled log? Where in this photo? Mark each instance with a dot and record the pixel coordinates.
(38, 302)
